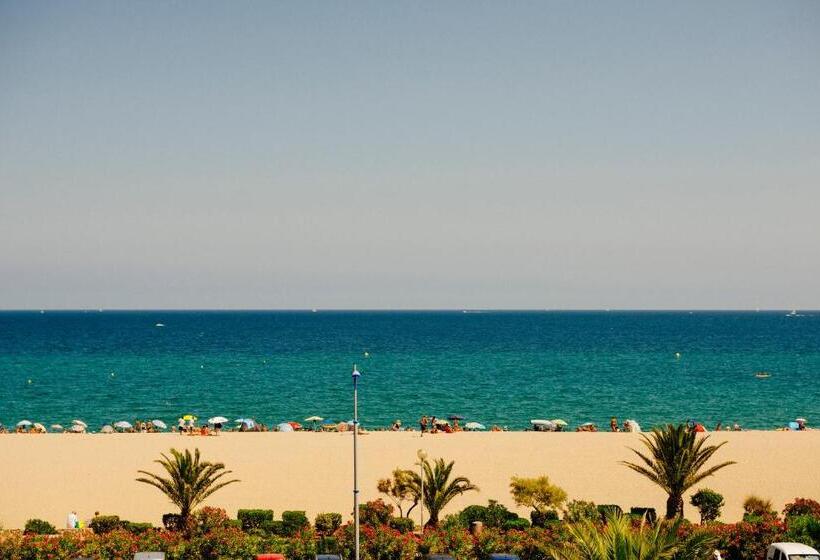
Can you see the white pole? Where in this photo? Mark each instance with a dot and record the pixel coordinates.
(356, 375)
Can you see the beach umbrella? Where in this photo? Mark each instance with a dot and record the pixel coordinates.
(106, 429)
(159, 424)
(313, 420)
(442, 422)
(24, 423)
(284, 427)
(189, 417)
(559, 422)
(39, 427)
(78, 428)
(79, 423)
(218, 420)
(295, 425)
(803, 420)
(123, 425)
(57, 428)
(474, 426)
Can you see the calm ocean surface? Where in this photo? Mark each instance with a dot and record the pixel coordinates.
(493, 367)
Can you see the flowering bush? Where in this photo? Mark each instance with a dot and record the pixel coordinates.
(748, 541)
(453, 540)
(802, 506)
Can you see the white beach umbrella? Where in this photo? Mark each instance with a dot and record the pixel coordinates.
(559, 422)
(284, 427)
(24, 423)
(474, 426)
(159, 424)
(801, 420)
(57, 428)
(79, 423)
(78, 428)
(106, 429)
(39, 427)
(123, 425)
(218, 420)
(442, 422)
(314, 419)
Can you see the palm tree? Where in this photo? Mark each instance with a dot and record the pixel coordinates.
(618, 540)
(190, 480)
(675, 462)
(439, 490)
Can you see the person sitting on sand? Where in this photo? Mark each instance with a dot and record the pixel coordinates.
(396, 426)
(737, 428)
(613, 425)
(433, 425)
(496, 429)
(456, 427)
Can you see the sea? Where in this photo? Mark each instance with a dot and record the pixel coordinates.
(499, 368)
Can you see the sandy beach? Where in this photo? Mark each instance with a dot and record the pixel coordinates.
(48, 475)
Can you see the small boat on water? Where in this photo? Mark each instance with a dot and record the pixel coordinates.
(763, 374)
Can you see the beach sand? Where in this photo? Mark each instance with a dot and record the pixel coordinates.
(49, 475)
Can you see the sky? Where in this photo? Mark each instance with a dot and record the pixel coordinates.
(410, 155)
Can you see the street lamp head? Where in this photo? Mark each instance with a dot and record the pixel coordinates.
(421, 455)
(356, 371)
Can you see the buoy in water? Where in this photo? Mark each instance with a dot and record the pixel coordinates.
(677, 355)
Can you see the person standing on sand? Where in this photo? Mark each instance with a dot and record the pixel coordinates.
(423, 424)
(181, 426)
(613, 425)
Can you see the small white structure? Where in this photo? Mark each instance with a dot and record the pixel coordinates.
(791, 551)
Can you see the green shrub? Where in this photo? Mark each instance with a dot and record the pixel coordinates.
(402, 524)
(541, 518)
(804, 529)
(39, 527)
(375, 513)
(252, 519)
(608, 510)
(802, 506)
(137, 528)
(491, 515)
(103, 524)
(519, 524)
(648, 514)
(294, 521)
(709, 504)
(472, 513)
(274, 527)
(172, 521)
(579, 510)
(327, 523)
(756, 508)
(327, 545)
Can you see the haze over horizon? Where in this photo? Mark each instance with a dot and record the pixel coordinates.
(409, 156)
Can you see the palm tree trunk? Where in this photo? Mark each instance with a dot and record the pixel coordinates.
(674, 506)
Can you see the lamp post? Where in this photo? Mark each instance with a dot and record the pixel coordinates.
(356, 376)
(422, 456)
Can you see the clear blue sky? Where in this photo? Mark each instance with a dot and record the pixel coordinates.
(410, 154)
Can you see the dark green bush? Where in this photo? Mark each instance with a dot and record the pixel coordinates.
(137, 528)
(274, 527)
(709, 504)
(172, 521)
(103, 524)
(491, 515)
(294, 521)
(649, 514)
(327, 545)
(327, 523)
(253, 519)
(542, 518)
(39, 527)
(402, 524)
(606, 510)
(519, 524)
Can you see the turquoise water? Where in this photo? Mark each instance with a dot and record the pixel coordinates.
(495, 367)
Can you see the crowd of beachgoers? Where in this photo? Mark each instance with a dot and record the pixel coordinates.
(191, 425)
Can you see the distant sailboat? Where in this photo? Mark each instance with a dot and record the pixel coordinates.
(763, 374)
(793, 313)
